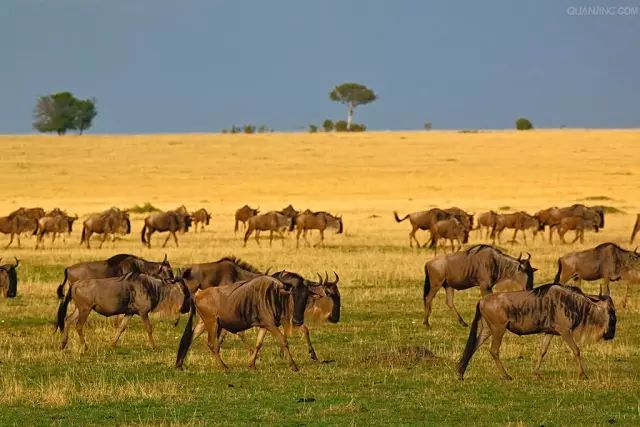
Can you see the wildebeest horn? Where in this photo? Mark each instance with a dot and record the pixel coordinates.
(320, 277)
(164, 261)
(326, 277)
(529, 256)
(520, 256)
(266, 273)
(17, 262)
(337, 278)
(0, 258)
(635, 251)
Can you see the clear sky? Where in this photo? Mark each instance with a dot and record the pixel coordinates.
(199, 66)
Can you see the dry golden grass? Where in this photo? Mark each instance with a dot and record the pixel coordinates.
(384, 370)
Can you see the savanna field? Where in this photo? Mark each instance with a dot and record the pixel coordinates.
(379, 365)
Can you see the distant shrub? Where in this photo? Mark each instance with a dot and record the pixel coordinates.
(249, 129)
(340, 126)
(313, 128)
(428, 126)
(146, 208)
(468, 131)
(358, 127)
(264, 129)
(523, 124)
(504, 208)
(328, 125)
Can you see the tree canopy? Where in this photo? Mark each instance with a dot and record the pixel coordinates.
(61, 112)
(352, 95)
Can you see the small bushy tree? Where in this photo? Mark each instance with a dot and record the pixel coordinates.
(352, 95)
(340, 126)
(313, 128)
(327, 125)
(61, 112)
(523, 124)
(428, 126)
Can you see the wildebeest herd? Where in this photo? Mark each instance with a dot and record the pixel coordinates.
(230, 295)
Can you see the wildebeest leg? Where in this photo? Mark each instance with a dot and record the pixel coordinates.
(412, 237)
(10, 241)
(524, 236)
(104, 237)
(604, 287)
(450, 291)
(561, 233)
(149, 238)
(199, 329)
(283, 344)
(147, 326)
(305, 332)
(18, 237)
(243, 338)
(515, 233)
(543, 351)
(82, 318)
(550, 234)
(321, 242)
(496, 340)
(213, 341)
(304, 235)
(72, 318)
(258, 237)
(246, 237)
(568, 338)
(577, 237)
(259, 341)
(175, 238)
(121, 328)
(626, 295)
(271, 238)
(166, 240)
(298, 232)
(433, 290)
(53, 238)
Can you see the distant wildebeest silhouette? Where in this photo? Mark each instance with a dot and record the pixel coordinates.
(317, 221)
(449, 229)
(243, 214)
(518, 221)
(202, 217)
(107, 223)
(57, 223)
(578, 224)
(15, 225)
(422, 220)
(552, 217)
(487, 220)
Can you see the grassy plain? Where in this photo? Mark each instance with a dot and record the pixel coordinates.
(381, 365)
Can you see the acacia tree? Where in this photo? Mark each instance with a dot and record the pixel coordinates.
(352, 95)
(61, 112)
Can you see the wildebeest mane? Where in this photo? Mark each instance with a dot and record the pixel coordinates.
(115, 260)
(240, 263)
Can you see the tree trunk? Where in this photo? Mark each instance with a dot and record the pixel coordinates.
(349, 115)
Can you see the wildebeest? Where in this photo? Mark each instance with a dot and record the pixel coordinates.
(449, 229)
(548, 309)
(487, 220)
(116, 266)
(518, 221)
(606, 261)
(635, 230)
(290, 211)
(480, 265)
(225, 271)
(464, 217)
(169, 221)
(317, 221)
(184, 218)
(552, 217)
(9, 279)
(422, 221)
(202, 217)
(578, 224)
(107, 223)
(54, 224)
(271, 221)
(134, 293)
(15, 225)
(35, 213)
(258, 302)
(243, 214)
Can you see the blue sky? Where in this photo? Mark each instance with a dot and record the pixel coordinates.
(200, 66)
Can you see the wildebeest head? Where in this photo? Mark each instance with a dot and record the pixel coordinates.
(164, 269)
(126, 223)
(340, 225)
(465, 235)
(9, 279)
(525, 271)
(207, 217)
(70, 221)
(333, 293)
(610, 330)
(291, 223)
(300, 290)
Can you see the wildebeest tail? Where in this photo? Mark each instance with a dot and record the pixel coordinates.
(235, 229)
(84, 234)
(470, 348)
(35, 229)
(62, 310)
(427, 284)
(144, 231)
(557, 278)
(398, 219)
(60, 290)
(186, 302)
(12, 289)
(187, 337)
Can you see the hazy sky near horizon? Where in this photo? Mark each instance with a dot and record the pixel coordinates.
(200, 66)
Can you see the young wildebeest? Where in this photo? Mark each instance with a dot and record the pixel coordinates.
(316, 221)
(422, 221)
(116, 266)
(450, 229)
(549, 309)
(465, 218)
(271, 221)
(163, 221)
(9, 279)
(202, 217)
(258, 302)
(480, 265)
(487, 220)
(606, 261)
(518, 221)
(54, 224)
(578, 224)
(15, 225)
(134, 293)
(107, 223)
(635, 230)
(243, 214)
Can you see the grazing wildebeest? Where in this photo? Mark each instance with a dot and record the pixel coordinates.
(450, 229)
(225, 271)
(518, 221)
(548, 309)
(243, 214)
(202, 217)
(56, 224)
(578, 224)
(422, 221)
(317, 221)
(116, 266)
(464, 217)
(107, 223)
(258, 302)
(271, 221)
(9, 279)
(162, 221)
(635, 230)
(15, 225)
(134, 293)
(480, 265)
(487, 220)
(606, 261)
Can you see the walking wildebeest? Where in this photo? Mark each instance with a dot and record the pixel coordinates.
(160, 222)
(422, 221)
(290, 211)
(450, 229)
(184, 218)
(548, 309)
(271, 221)
(15, 225)
(480, 265)
(107, 223)
(116, 266)
(553, 216)
(487, 220)
(258, 302)
(134, 293)
(635, 230)
(317, 221)
(606, 261)
(518, 221)
(464, 217)
(9, 279)
(202, 217)
(578, 224)
(54, 224)
(243, 214)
